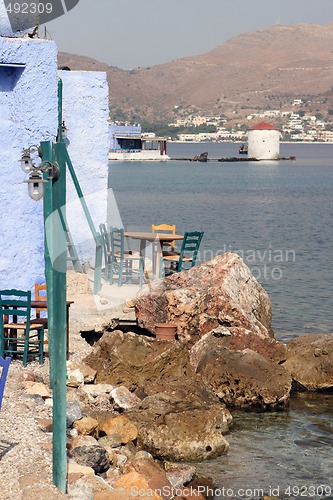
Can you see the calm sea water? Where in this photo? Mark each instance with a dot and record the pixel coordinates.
(278, 217)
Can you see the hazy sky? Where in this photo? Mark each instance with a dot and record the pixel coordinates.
(132, 33)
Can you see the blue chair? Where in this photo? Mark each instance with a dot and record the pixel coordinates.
(175, 262)
(17, 334)
(4, 364)
(122, 261)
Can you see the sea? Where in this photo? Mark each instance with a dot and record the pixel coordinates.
(277, 215)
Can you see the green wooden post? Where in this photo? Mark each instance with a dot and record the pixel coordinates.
(55, 272)
(58, 306)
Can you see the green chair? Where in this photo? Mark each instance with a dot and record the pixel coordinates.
(106, 238)
(175, 262)
(17, 335)
(122, 262)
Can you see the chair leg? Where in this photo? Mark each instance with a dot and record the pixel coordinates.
(120, 278)
(41, 344)
(111, 273)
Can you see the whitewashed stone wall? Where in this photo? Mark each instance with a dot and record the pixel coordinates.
(28, 115)
(264, 144)
(86, 112)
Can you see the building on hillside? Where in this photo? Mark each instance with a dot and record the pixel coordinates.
(264, 142)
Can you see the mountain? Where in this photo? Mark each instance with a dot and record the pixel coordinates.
(265, 69)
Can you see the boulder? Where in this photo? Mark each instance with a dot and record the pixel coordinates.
(181, 420)
(219, 292)
(310, 361)
(119, 425)
(238, 339)
(86, 451)
(245, 379)
(154, 474)
(129, 359)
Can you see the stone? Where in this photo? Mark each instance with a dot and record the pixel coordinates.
(124, 399)
(91, 455)
(96, 390)
(238, 339)
(86, 425)
(88, 374)
(74, 468)
(245, 379)
(117, 458)
(129, 359)
(219, 292)
(75, 378)
(73, 412)
(110, 440)
(119, 425)
(154, 474)
(310, 361)
(137, 485)
(180, 475)
(45, 423)
(84, 440)
(181, 420)
(28, 376)
(38, 388)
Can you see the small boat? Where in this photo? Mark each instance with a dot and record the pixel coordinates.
(242, 149)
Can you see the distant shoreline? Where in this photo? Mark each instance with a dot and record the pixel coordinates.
(241, 142)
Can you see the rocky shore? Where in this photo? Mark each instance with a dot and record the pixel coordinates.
(140, 408)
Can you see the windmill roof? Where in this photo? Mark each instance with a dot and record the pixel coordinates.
(263, 126)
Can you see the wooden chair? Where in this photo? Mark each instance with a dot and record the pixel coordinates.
(122, 262)
(4, 364)
(165, 228)
(187, 256)
(17, 334)
(40, 294)
(106, 238)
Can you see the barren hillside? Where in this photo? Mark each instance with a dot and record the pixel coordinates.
(265, 69)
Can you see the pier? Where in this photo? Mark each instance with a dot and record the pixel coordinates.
(231, 159)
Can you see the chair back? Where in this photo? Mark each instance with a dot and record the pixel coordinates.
(117, 242)
(16, 306)
(40, 294)
(4, 364)
(106, 240)
(165, 228)
(189, 249)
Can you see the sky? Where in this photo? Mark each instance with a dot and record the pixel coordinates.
(132, 33)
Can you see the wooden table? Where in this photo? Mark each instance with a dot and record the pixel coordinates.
(42, 304)
(159, 238)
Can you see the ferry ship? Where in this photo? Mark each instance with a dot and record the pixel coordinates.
(127, 142)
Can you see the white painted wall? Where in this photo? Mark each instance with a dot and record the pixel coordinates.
(28, 115)
(86, 112)
(264, 144)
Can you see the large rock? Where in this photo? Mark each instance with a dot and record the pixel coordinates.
(245, 379)
(238, 339)
(220, 292)
(182, 421)
(310, 361)
(129, 359)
